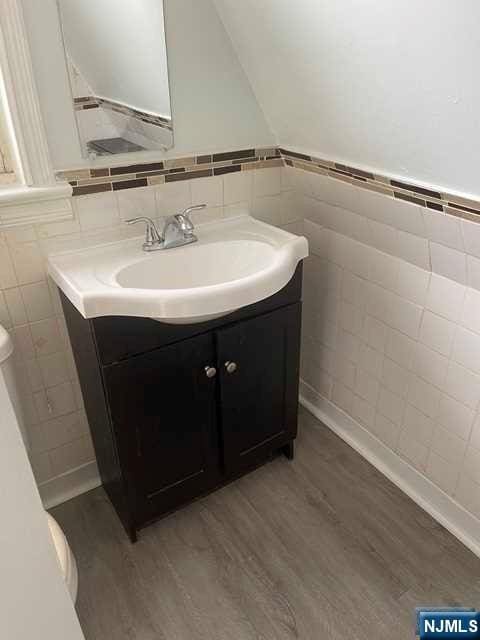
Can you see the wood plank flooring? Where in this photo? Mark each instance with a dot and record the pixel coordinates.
(321, 548)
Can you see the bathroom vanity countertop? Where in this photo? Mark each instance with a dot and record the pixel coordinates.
(236, 262)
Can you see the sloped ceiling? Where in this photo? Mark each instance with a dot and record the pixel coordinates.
(384, 84)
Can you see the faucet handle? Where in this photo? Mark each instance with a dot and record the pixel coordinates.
(196, 207)
(184, 220)
(152, 237)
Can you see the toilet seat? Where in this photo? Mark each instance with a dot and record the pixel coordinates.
(65, 556)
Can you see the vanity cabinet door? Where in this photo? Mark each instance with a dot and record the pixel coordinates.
(258, 362)
(163, 407)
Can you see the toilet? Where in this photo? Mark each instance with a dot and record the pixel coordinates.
(66, 559)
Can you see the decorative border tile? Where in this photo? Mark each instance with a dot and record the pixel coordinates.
(88, 181)
(92, 102)
(422, 196)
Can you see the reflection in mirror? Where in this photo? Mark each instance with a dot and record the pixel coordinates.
(117, 61)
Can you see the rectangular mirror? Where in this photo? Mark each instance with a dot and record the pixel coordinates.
(117, 62)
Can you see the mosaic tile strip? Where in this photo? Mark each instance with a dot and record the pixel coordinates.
(92, 102)
(421, 195)
(87, 181)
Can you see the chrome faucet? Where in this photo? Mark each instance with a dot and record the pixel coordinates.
(152, 238)
(177, 230)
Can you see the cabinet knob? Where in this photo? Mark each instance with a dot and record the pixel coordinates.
(210, 372)
(231, 367)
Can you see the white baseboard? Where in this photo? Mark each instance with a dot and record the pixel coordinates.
(449, 513)
(69, 485)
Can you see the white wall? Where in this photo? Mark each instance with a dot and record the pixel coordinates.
(213, 105)
(388, 84)
(119, 48)
(34, 601)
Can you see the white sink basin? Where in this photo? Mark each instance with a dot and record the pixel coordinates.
(235, 262)
(205, 265)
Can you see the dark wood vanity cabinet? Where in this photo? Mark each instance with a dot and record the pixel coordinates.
(258, 401)
(164, 407)
(178, 410)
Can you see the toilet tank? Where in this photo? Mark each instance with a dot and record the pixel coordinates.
(7, 377)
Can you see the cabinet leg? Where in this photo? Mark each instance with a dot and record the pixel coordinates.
(289, 450)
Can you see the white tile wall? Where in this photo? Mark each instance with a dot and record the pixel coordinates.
(445, 230)
(445, 298)
(238, 187)
(172, 197)
(395, 378)
(137, 202)
(405, 361)
(418, 426)
(266, 182)
(448, 262)
(97, 211)
(473, 272)
(437, 333)
(209, 191)
(471, 237)
(30, 308)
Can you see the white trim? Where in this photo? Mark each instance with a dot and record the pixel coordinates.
(30, 138)
(22, 96)
(69, 485)
(31, 205)
(449, 513)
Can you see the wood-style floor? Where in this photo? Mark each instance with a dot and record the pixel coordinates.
(320, 548)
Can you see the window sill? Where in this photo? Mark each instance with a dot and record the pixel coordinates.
(20, 204)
